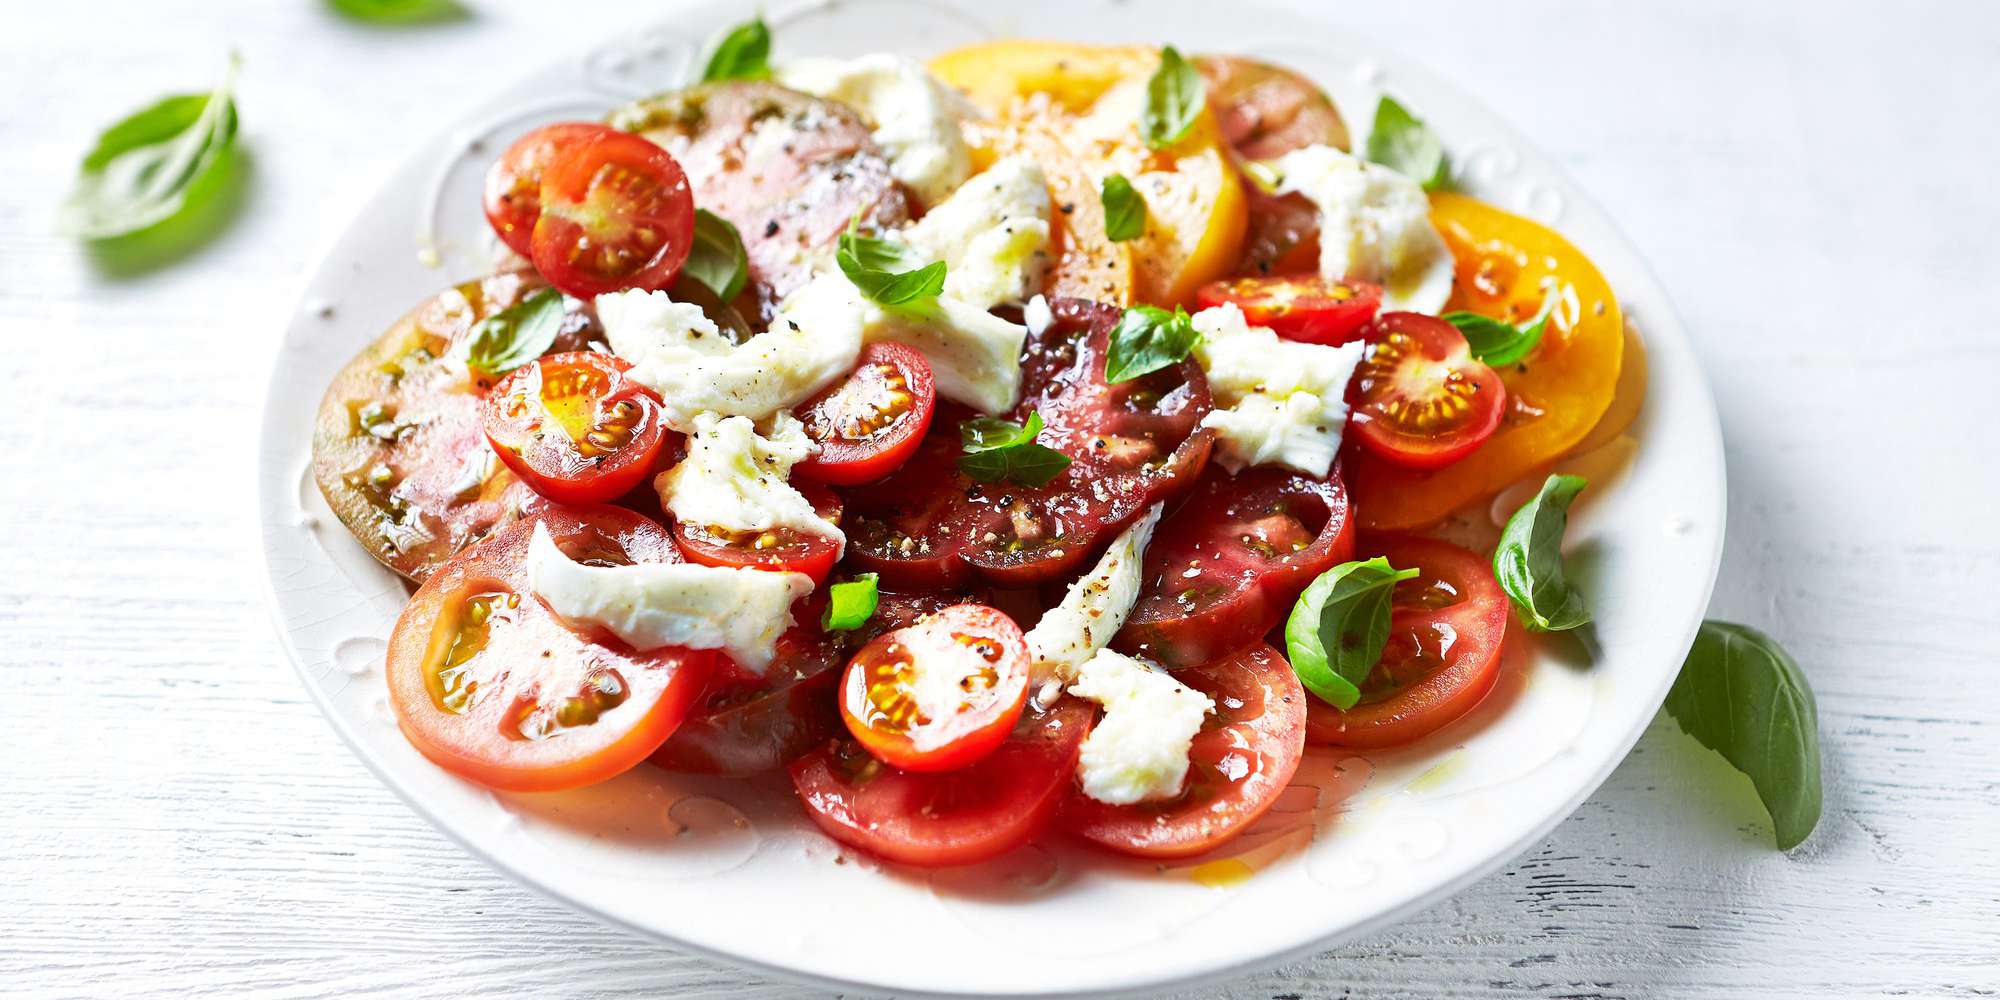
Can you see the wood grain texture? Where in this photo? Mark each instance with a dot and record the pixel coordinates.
(1811, 179)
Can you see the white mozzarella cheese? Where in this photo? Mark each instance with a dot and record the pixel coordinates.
(1139, 749)
(734, 479)
(975, 356)
(1374, 225)
(1091, 612)
(915, 116)
(992, 234)
(1278, 402)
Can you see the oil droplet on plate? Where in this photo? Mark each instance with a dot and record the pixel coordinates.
(1018, 875)
(359, 654)
(712, 830)
(1221, 873)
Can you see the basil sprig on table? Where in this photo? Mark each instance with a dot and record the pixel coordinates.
(1400, 141)
(885, 271)
(1528, 562)
(717, 258)
(1339, 626)
(1147, 339)
(742, 53)
(1124, 209)
(151, 164)
(1174, 98)
(399, 11)
(850, 604)
(1742, 696)
(997, 449)
(1499, 344)
(515, 335)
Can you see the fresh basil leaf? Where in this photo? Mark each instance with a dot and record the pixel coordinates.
(1501, 344)
(742, 53)
(1174, 98)
(1742, 696)
(399, 11)
(1401, 142)
(1339, 626)
(850, 604)
(1528, 563)
(515, 335)
(885, 271)
(717, 258)
(1124, 209)
(1147, 339)
(997, 449)
(144, 168)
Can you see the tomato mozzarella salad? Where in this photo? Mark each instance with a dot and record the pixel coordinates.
(1043, 437)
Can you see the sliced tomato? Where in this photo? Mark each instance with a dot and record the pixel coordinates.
(514, 183)
(616, 213)
(1301, 307)
(1446, 630)
(1266, 111)
(490, 685)
(1420, 398)
(940, 694)
(1244, 756)
(575, 427)
(951, 817)
(1228, 565)
(782, 550)
(870, 424)
(903, 527)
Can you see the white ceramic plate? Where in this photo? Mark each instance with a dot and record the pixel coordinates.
(734, 870)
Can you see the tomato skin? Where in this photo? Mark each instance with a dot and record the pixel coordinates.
(952, 817)
(558, 463)
(1416, 367)
(513, 196)
(794, 552)
(890, 723)
(527, 665)
(616, 214)
(1465, 636)
(892, 383)
(1239, 763)
(1304, 308)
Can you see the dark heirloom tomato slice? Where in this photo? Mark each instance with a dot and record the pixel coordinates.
(783, 550)
(1446, 630)
(902, 528)
(489, 684)
(892, 701)
(1303, 307)
(616, 214)
(514, 182)
(1228, 565)
(1420, 398)
(1244, 756)
(951, 817)
(1266, 111)
(575, 427)
(870, 424)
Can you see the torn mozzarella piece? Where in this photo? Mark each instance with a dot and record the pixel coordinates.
(1139, 749)
(975, 356)
(734, 479)
(1278, 402)
(1093, 610)
(1374, 225)
(992, 234)
(914, 115)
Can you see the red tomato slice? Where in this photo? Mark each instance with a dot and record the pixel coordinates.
(514, 182)
(903, 527)
(575, 427)
(616, 214)
(869, 425)
(1420, 399)
(1244, 756)
(940, 694)
(953, 817)
(1301, 307)
(488, 684)
(1446, 630)
(1228, 565)
(782, 550)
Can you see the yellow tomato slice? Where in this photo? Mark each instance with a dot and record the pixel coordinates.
(1087, 264)
(998, 76)
(1506, 265)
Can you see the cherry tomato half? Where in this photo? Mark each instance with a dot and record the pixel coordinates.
(1446, 629)
(1302, 307)
(940, 694)
(575, 427)
(870, 424)
(1420, 398)
(616, 214)
(514, 182)
(780, 550)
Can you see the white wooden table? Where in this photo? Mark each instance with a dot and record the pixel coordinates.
(1814, 180)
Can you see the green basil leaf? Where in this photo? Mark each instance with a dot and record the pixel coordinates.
(1147, 339)
(1501, 344)
(850, 604)
(742, 53)
(1742, 696)
(717, 258)
(886, 272)
(988, 433)
(1528, 562)
(1174, 98)
(997, 449)
(1124, 209)
(144, 168)
(1338, 627)
(399, 11)
(1401, 142)
(515, 335)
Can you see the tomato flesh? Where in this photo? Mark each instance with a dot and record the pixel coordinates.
(940, 694)
(1244, 756)
(780, 550)
(616, 213)
(870, 424)
(1446, 630)
(1420, 399)
(575, 427)
(1305, 308)
(513, 197)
